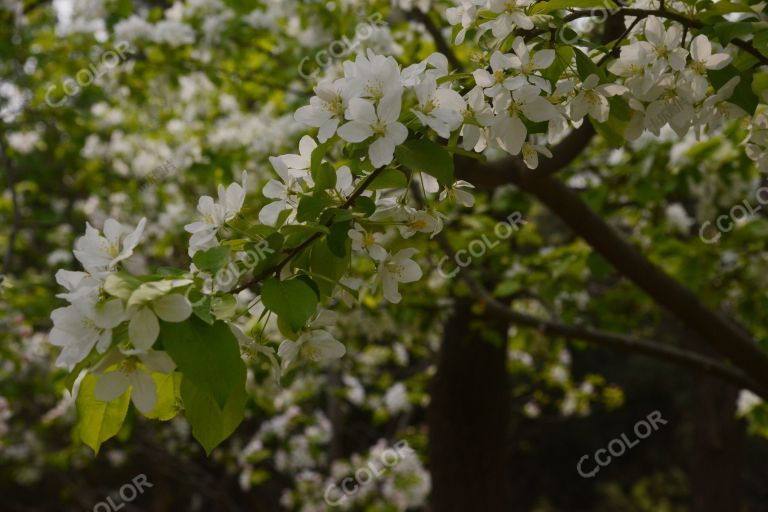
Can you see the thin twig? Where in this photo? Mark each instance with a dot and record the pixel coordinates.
(440, 42)
(604, 338)
(614, 47)
(297, 250)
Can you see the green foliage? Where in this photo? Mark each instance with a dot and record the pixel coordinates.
(98, 421)
(324, 175)
(310, 207)
(207, 355)
(211, 260)
(293, 300)
(168, 396)
(586, 67)
(326, 266)
(389, 178)
(211, 421)
(743, 94)
(423, 155)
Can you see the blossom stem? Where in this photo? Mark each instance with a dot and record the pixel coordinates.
(300, 248)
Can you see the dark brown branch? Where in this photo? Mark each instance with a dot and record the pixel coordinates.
(631, 344)
(615, 46)
(306, 243)
(724, 334)
(670, 15)
(440, 42)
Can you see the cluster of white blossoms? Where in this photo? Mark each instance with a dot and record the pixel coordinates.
(667, 83)
(214, 215)
(121, 328)
(522, 97)
(663, 83)
(510, 16)
(365, 107)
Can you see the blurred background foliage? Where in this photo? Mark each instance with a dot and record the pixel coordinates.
(208, 89)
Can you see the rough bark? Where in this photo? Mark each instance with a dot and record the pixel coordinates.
(716, 465)
(724, 334)
(468, 418)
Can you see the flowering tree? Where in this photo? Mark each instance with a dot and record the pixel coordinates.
(440, 103)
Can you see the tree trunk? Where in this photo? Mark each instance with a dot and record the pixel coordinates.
(468, 417)
(717, 449)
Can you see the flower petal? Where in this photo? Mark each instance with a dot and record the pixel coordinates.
(173, 307)
(143, 329)
(144, 395)
(111, 386)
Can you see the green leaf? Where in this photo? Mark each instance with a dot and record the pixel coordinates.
(743, 94)
(212, 259)
(263, 253)
(506, 288)
(426, 156)
(98, 421)
(207, 355)
(211, 423)
(330, 267)
(727, 30)
(317, 157)
(310, 207)
(335, 215)
(364, 205)
(558, 5)
(585, 66)
(168, 404)
(760, 85)
(338, 238)
(719, 8)
(324, 177)
(201, 307)
(121, 285)
(293, 300)
(388, 178)
(599, 267)
(563, 57)
(744, 61)
(286, 330)
(224, 307)
(613, 129)
(297, 234)
(760, 41)
(171, 272)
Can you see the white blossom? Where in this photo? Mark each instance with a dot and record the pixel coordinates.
(439, 109)
(101, 254)
(592, 99)
(398, 268)
(214, 215)
(378, 122)
(134, 372)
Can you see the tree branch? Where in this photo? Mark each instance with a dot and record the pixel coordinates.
(297, 250)
(670, 15)
(724, 334)
(440, 42)
(631, 344)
